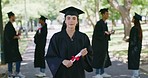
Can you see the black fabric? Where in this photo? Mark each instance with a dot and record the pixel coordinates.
(43, 18)
(62, 47)
(138, 17)
(10, 14)
(11, 47)
(40, 41)
(72, 11)
(103, 10)
(134, 49)
(100, 45)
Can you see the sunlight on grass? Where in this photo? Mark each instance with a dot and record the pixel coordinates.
(23, 42)
(22, 45)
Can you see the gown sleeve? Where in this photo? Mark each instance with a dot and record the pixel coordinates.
(40, 38)
(99, 32)
(9, 34)
(134, 39)
(35, 38)
(87, 60)
(43, 36)
(52, 57)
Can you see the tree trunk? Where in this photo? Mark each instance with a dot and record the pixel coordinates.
(31, 24)
(145, 17)
(127, 23)
(1, 35)
(97, 9)
(88, 17)
(124, 11)
(113, 23)
(26, 20)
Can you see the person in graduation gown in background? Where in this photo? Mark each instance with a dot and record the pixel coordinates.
(135, 45)
(11, 48)
(67, 43)
(101, 36)
(40, 41)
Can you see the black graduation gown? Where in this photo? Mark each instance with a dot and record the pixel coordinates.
(100, 46)
(40, 41)
(11, 47)
(134, 49)
(62, 47)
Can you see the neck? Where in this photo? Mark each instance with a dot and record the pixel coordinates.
(70, 32)
(43, 24)
(11, 21)
(104, 19)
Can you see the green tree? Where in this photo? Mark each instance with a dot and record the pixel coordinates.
(113, 14)
(140, 6)
(91, 8)
(124, 10)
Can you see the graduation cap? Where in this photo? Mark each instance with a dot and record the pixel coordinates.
(43, 18)
(10, 14)
(103, 10)
(138, 17)
(72, 11)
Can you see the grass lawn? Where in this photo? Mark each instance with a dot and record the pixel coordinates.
(22, 45)
(23, 42)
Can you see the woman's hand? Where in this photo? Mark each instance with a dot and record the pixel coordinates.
(112, 32)
(84, 52)
(107, 33)
(67, 63)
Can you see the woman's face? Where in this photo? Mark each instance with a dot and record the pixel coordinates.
(71, 21)
(41, 21)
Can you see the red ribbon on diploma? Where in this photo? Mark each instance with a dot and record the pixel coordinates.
(75, 58)
(39, 28)
(18, 34)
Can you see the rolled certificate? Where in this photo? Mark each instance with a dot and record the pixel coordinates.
(40, 29)
(76, 58)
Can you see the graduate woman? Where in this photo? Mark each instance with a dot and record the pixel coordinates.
(67, 43)
(135, 45)
(40, 41)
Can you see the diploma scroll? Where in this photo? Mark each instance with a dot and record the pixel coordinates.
(76, 58)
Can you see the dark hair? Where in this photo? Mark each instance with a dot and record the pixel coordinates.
(42, 20)
(103, 12)
(138, 26)
(64, 25)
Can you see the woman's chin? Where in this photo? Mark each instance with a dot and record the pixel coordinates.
(71, 27)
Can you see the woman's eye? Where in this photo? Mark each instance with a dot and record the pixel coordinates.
(68, 18)
(74, 18)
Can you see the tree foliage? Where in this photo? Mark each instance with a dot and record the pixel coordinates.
(51, 8)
